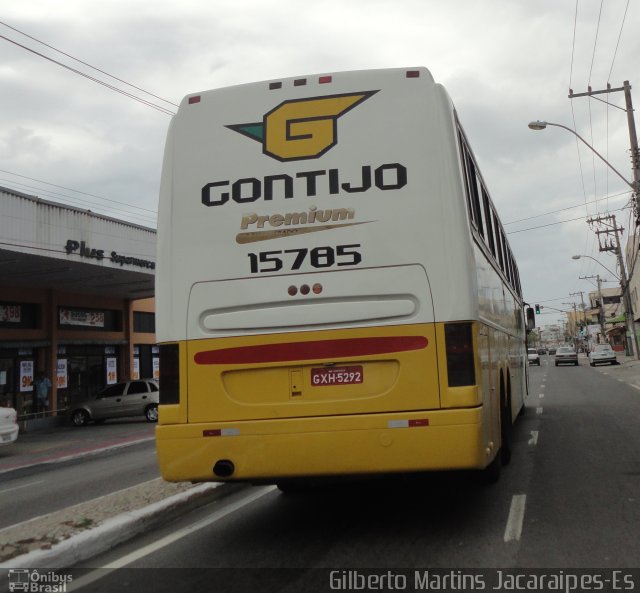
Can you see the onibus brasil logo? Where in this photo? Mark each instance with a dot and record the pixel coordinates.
(301, 128)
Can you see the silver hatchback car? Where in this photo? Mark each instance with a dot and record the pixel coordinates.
(566, 355)
(128, 398)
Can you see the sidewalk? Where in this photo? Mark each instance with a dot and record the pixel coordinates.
(60, 443)
(71, 535)
(627, 371)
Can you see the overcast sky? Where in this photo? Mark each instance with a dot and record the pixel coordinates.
(504, 63)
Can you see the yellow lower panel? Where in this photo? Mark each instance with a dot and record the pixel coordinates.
(347, 445)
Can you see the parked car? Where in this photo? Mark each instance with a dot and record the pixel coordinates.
(542, 351)
(566, 355)
(532, 355)
(128, 398)
(602, 353)
(552, 350)
(8, 426)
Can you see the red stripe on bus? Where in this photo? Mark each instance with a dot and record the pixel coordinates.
(320, 350)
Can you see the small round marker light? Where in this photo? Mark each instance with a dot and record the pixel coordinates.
(304, 289)
(317, 288)
(293, 291)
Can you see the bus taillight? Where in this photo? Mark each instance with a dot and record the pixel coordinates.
(460, 359)
(169, 374)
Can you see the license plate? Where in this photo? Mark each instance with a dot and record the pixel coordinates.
(337, 376)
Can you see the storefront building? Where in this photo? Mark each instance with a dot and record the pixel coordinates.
(76, 301)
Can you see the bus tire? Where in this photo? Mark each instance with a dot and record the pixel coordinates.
(491, 473)
(293, 487)
(505, 434)
(505, 422)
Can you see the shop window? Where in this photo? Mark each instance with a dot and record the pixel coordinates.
(144, 323)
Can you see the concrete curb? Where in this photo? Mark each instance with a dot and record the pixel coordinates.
(76, 455)
(114, 531)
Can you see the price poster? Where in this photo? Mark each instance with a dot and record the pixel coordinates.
(156, 367)
(26, 375)
(135, 374)
(61, 373)
(112, 371)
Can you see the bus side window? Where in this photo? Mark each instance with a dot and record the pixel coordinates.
(475, 198)
(496, 228)
(487, 217)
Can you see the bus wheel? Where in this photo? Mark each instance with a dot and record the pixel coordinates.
(491, 473)
(505, 433)
(294, 487)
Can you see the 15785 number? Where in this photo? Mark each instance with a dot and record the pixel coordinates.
(319, 257)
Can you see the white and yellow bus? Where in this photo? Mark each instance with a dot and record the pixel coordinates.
(335, 291)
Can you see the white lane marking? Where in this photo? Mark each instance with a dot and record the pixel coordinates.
(534, 438)
(635, 386)
(18, 487)
(539, 411)
(127, 559)
(513, 531)
(541, 395)
(542, 386)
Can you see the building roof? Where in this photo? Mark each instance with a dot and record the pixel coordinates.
(48, 245)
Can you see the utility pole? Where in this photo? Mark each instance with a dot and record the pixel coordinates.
(609, 222)
(633, 137)
(601, 308)
(573, 324)
(584, 312)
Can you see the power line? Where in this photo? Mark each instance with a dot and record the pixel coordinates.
(615, 53)
(67, 200)
(92, 78)
(86, 64)
(542, 226)
(595, 42)
(564, 209)
(593, 58)
(78, 191)
(573, 45)
(584, 189)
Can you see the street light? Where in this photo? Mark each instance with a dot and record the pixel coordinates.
(595, 260)
(541, 125)
(635, 187)
(628, 309)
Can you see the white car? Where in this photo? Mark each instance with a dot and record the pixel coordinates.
(533, 356)
(602, 353)
(8, 426)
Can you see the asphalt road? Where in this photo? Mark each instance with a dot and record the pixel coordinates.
(34, 491)
(570, 499)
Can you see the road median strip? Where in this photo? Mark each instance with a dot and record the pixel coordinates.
(76, 533)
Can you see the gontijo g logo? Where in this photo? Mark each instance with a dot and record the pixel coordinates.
(301, 128)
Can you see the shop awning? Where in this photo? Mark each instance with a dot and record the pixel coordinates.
(617, 319)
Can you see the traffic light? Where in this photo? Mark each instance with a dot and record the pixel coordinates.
(537, 309)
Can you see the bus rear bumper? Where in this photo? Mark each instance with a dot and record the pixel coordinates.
(272, 450)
